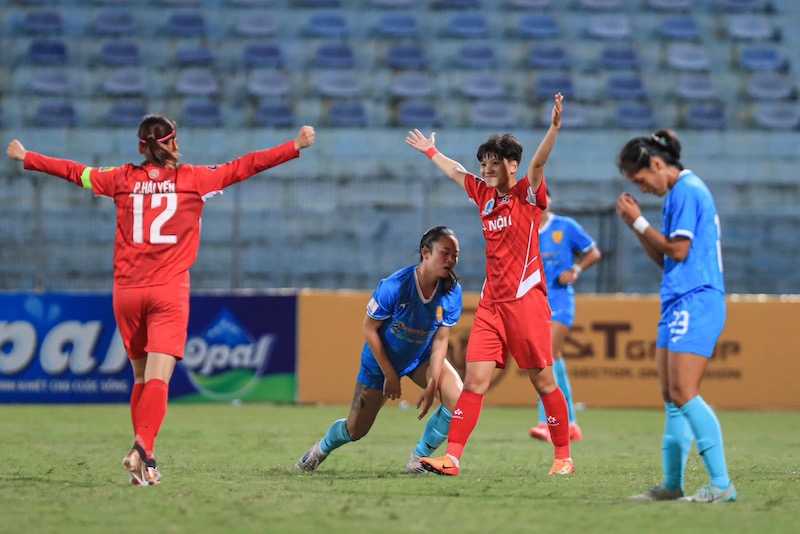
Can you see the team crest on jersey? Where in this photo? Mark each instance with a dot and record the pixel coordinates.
(487, 209)
(558, 236)
(439, 313)
(505, 200)
(153, 174)
(105, 169)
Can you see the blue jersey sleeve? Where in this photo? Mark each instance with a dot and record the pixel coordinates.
(451, 305)
(682, 214)
(578, 238)
(383, 300)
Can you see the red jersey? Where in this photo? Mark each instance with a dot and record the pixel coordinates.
(158, 208)
(510, 227)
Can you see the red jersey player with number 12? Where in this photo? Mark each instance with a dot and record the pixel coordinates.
(159, 206)
(513, 315)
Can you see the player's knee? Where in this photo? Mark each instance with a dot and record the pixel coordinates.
(357, 433)
(680, 395)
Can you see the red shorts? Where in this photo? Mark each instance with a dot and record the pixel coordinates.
(153, 318)
(519, 327)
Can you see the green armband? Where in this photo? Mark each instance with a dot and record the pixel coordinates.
(86, 178)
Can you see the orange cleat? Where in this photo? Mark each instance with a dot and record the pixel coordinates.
(541, 432)
(575, 433)
(443, 465)
(562, 467)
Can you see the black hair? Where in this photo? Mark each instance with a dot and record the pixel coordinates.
(503, 147)
(637, 153)
(154, 131)
(428, 239)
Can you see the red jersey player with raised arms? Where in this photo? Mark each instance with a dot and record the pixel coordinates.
(159, 205)
(513, 315)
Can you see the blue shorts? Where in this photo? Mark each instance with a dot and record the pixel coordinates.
(693, 323)
(372, 376)
(562, 306)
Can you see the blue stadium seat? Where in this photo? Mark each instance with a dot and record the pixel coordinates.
(186, 24)
(548, 84)
(406, 56)
(42, 23)
(126, 113)
(548, 56)
(269, 83)
(52, 81)
(113, 22)
(412, 84)
(125, 82)
(457, 4)
(492, 115)
(202, 113)
(483, 85)
(758, 57)
(335, 56)
(600, 5)
(625, 87)
(467, 25)
(397, 26)
(119, 54)
(696, 86)
(768, 85)
(688, 56)
(706, 116)
(736, 6)
(392, 4)
(670, 5)
(197, 81)
(476, 56)
(635, 115)
(619, 57)
(194, 56)
(418, 114)
(749, 27)
(532, 5)
(256, 55)
(347, 114)
(327, 25)
(277, 114)
(538, 26)
(682, 27)
(611, 26)
(56, 115)
(338, 84)
(777, 116)
(47, 52)
(256, 24)
(317, 4)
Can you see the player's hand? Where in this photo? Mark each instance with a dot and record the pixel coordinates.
(627, 208)
(305, 138)
(556, 113)
(16, 150)
(426, 399)
(419, 141)
(567, 277)
(391, 387)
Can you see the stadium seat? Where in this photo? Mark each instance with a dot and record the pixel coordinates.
(52, 81)
(276, 114)
(202, 114)
(119, 54)
(335, 56)
(47, 53)
(476, 56)
(125, 82)
(418, 114)
(483, 85)
(600, 5)
(749, 27)
(327, 25)
(317, 4)
(532, 5)
(635, 115)
(397, 26)
(256, 24)
(194, 56)
(682, 27)
(467, 25)
(114, 22)
(706, 116)
(735, 6)
(492, 115)
(197, 81)
(768, 85)
(670, 5)
(619, 57)
(346, 114)
(56, 115)
(548, 56)
(186, 24)
(538, 26)
(457, 4)
(696, 86)
(406, 56)
(268, 83)
(611, 26)
(412, 84)
(625, 87)
(757, 57)
(256, 55)
(392, 4)
(126, 113)
(688, 56)
(777, 116)
(42, 23)
(548, 84)
(338, 84)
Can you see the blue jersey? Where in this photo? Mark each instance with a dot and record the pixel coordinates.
(689, 211)
(559, 239)
(409, 320)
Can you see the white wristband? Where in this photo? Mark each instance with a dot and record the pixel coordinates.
(640, 224)
(577, 268)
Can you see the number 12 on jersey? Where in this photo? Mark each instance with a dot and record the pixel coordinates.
(156, 200)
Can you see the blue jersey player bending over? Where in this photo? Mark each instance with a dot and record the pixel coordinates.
(567, 251)
(692, 308)
(407, 328)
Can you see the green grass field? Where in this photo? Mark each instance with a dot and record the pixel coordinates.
(230, 469)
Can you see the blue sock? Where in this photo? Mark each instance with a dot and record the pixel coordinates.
(675, 446)
(708, 433)
(562, 379)
(336, 436)
(435, 432)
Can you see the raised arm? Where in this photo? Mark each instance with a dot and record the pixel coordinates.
(536, 167)
(427, 145)
(63, 168)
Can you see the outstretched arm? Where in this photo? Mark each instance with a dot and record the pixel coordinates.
(427, 145)
(536, 167)
(63, 168)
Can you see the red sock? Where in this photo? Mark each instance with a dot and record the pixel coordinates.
(555, 406)
(150, 414)
(136, 394)
(465, 417)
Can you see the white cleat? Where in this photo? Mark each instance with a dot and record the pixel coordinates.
(311, 460)
(414, 465)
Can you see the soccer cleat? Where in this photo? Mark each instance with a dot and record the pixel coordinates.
(152, 476)
(443, 465)
(575, 433)
(562, 467)
(311, 460)
(136, 467)
(711, 494)
(541, 432)
(414, 465)
(658, 493)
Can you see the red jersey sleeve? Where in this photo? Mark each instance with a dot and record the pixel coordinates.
(100, 180)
